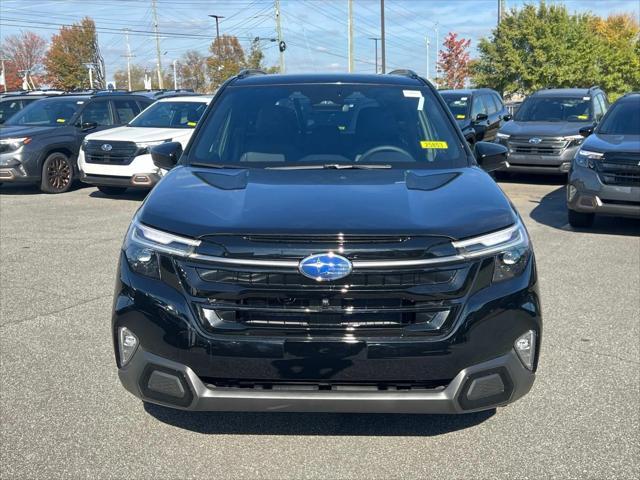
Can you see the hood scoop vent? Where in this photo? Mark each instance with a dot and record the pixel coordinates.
(428, 181)
(225, 179)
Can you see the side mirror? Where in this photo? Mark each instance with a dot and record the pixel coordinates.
(481, 116)
(166, 155)
(491, 156)
(586, 131)
(507, 117)
(88, 126)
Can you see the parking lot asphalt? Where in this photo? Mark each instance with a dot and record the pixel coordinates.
(64, 413)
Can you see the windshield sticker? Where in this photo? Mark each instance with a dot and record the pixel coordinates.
(191, 124)
(433, 144)
(60, 120)
(415, 94)
(460, 117)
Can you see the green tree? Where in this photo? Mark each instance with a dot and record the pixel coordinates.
(537, 47)
(71, 50)
(192, 71)
(227, 59)
(618, 53)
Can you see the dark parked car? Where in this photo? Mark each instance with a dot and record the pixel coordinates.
(40, 144)
(479, 112)
(545, 132)
(605, 174)
(327, 243)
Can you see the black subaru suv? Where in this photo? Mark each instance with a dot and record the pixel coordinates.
(545, 135)
(327, 243)
(40, 143)
(480, 112)
(605, 174)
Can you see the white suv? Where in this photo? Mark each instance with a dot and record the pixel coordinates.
(119, 158)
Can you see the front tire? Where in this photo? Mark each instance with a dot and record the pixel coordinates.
(57, 173)
(580, 220)
(109, 190)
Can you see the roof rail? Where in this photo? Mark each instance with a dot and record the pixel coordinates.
(247, 72)
(404, 72)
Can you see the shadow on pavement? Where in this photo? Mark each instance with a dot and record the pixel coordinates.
(131, 194)
(552, 211)
(252, 423)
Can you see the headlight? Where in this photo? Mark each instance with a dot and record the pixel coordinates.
(143, 244)
(12, 144)
(145, 146)
(587, 158)
(573, 139)
(502, 136)
(510, 247)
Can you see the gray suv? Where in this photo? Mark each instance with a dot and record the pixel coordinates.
(605, 173)
(544, 134)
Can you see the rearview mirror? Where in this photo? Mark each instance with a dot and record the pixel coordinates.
(586, 131)
(166, 155)
(491, 156)
(481, 116)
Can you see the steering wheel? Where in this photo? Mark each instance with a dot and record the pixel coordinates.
(382, 148)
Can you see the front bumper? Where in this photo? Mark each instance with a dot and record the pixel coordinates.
(541, 164)
(484, 386)
(587, 194)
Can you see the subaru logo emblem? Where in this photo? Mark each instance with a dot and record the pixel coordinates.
(535, 140)
(106, 147)
(325, 267)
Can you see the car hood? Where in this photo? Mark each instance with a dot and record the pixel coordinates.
(612, 143)
(141, 134)
(457, 204)
(11, 131)
(543, 129)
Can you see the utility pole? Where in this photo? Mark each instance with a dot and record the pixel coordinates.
(128, 55)
(375, 39)
(350, 28)
(382, 38)
(175, 76)
(428, 45)
(281, 45)
(437, 27)
(155, 29)
(4, 75)
(217, 17)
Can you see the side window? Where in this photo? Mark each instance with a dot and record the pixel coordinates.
(126, 110)
(477, 106)
(490, 102)
(597, 108)
(498, 101)
(97, 112)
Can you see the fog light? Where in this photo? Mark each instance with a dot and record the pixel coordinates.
(525, 347)
(128, 344)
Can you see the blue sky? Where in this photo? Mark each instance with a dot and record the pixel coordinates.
(315, 30)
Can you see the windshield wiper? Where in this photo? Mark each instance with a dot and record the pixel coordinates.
(216, 165)
(332, 166)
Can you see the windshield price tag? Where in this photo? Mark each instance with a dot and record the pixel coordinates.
(415, 94)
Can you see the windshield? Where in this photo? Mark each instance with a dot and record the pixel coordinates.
(622, 119)
(458, 104)
(170, 115)
(310, 124)
(554, 109)
(48, 112)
